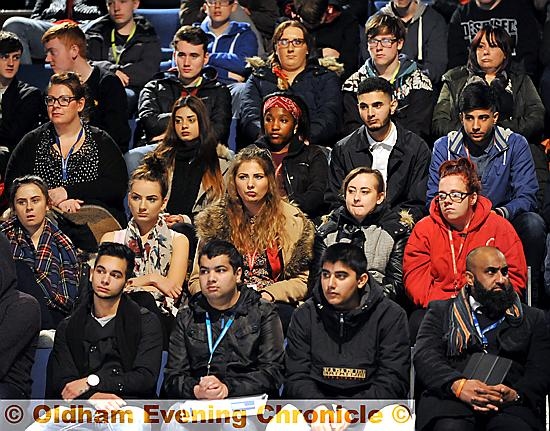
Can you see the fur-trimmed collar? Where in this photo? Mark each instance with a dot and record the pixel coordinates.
(213, 223)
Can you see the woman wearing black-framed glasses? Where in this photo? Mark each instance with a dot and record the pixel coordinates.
(460, 220)
(80, 164)
(293, 68)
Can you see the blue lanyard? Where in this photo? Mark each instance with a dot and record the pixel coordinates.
(485, 330)
(65, 161)
(211, 347)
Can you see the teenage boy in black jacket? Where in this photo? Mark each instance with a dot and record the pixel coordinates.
(246, 353)
(109, 350)
(348, 341)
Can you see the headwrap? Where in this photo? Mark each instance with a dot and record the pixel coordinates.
(283, 102)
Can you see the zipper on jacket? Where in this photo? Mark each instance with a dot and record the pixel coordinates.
(341, 331)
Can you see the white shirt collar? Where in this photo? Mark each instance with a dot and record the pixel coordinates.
(387, 143)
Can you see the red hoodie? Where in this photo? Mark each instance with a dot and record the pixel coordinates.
(428, 263)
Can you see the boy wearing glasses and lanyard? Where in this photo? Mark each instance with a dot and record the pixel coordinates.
(227, 341)
(127, 45)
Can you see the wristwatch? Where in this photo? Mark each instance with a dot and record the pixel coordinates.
(93, 380)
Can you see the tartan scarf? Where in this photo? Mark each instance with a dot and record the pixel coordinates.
(54, 262)
(462, 332)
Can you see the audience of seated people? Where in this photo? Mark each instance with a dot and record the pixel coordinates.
(187, 112)
(46, 261)
(127, 45)
(161, 254)
(274, 237)
(301, 168)
(367, 222)
(401, 156)
(294, 67)
(107, 107)
(385, 35)
(80, 163)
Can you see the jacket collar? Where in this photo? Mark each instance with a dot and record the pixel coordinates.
(499, 144)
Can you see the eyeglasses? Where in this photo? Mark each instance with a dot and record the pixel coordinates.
(219, 2)
(61, 100)
(295, 42)
(456, 197)
(386, 42)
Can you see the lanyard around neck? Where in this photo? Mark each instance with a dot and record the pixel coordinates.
(116, 55)
(211, 347)
(482, 332)
(65, 160)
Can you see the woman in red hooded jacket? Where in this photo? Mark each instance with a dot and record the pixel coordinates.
(460, 220)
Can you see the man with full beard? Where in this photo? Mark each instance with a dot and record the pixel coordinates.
(486, 316)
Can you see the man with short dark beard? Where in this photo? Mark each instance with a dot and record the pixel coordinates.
(486, 316)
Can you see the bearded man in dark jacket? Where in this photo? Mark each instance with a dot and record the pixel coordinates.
(486, 316)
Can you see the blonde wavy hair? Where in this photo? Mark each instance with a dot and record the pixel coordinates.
(269, 225)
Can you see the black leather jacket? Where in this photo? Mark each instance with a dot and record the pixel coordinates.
(248, 360)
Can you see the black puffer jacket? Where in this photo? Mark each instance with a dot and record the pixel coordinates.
(382, 235)
(158, 96)
(248, 360)
(363, 353)
(140, 58)
(305, 171)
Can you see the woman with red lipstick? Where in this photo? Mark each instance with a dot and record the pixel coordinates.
(161, 253)
(274, 237)
(195, 162)
(519, 105)
(46, 260)
(301, 169)
(460, 220)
